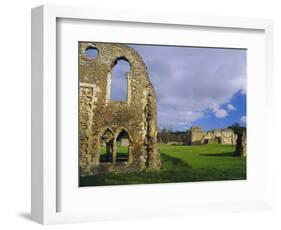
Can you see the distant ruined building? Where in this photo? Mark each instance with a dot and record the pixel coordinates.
(197, 136)
(105, 123)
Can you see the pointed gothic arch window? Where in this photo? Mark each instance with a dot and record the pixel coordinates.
(106, 146)
(123, 146)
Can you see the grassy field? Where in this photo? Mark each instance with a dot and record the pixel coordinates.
(181, 164)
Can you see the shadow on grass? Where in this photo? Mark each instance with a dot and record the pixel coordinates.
(172, 170)
(180, 145)
(226, 154)
(172, 163)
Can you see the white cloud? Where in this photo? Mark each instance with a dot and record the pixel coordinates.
(220, 113)
(189, 82)
(243, 120)
(182, 119)
(230, 107)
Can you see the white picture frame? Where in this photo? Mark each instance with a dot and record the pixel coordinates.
(47, 181)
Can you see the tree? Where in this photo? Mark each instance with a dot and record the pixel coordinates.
(237, 128)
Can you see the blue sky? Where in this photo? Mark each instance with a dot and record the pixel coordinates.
(195, 86)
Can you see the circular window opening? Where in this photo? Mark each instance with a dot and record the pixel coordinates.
(91, 52)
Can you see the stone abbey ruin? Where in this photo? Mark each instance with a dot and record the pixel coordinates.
(196, 136)
(105, 122)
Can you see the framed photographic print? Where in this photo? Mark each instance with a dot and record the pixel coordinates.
(137, 114)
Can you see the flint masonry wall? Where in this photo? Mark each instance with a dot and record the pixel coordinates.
(100, 115)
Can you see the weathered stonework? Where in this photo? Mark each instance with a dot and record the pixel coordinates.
(102, 120)
(196, 136)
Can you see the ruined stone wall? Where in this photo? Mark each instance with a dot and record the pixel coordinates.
(216, 136)
(197, 134)
(98, 113)
(124, 142)
(220, 136)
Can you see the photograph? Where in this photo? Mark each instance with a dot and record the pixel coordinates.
(161, 113)
(144, 113)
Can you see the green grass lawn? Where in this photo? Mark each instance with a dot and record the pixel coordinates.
(181, 164)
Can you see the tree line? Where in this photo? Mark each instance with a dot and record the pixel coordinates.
(166, 135)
